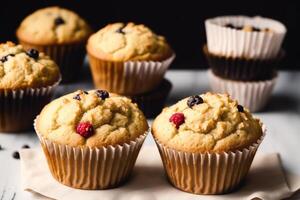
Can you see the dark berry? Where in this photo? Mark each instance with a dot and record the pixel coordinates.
(240, 108)
(77, 97)
(4, 58)
(33, 53)
(1, 148)
(177, 119)
(85, 129)
(59, 21)
(16, 155)
(229, 25)
(103, 94)
(120, 30)
(233, 27)
(256, 29)
(194, 100)
(25, 146)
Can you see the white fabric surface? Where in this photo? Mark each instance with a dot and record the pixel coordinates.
(266, 180)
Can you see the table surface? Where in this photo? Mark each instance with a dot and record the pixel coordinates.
(281, 116)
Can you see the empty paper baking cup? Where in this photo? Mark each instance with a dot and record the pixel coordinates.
(153, 102)
(230, 42)
(18, 108)
(207, 173)
(242, 69)
(251, 94)
(91, 168)
(128, 78)
(68, 57)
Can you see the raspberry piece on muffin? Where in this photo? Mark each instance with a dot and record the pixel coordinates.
(85, 129)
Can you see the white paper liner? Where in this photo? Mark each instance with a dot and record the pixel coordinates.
(252, 95)
(19, 107)
(135, 77)
(91, 168)
(234, 43)
(207, 173)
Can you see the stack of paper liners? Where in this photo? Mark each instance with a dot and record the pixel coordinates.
(244, 63)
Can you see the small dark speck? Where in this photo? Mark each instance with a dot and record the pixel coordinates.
(25, 146)
(77, 97)
(1, 148)
(240, 108)
(16, 155)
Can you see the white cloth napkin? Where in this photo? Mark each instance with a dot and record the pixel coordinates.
(266, 180)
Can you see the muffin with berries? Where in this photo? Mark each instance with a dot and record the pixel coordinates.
(61, 34)
(202, 135)
(28, 79)
(95, 132)
(128, 58)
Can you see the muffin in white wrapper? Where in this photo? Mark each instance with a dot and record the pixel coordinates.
(91, 168)
(232, 42)
(207, 173)
(252, 95)
(91, 139)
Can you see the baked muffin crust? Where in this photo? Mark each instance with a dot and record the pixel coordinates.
(217, 124)
(115, 120)
(128, 42)
(19, 69)
(53, 25)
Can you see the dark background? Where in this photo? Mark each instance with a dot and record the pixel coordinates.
(180, 21)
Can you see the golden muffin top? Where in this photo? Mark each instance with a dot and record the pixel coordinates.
(21, 69)
(206, 123)
(128, 42)
(92, 118)
(53, 25)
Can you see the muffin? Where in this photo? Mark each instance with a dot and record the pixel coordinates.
(207, 143)
(128, 58)
(61, 34)
(97, 133)
(27, 82)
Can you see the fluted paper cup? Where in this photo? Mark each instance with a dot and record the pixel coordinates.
(242, 69)
(207, 173)
(68, 57)
(91, 168)
(18, 108)
(128, 78)
(230, 42)
(252, 95)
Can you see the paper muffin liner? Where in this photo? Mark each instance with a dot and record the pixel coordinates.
(91, 168)
(252, 95)
(242, 69)
(153, 102)
(207, 173)
(229, 42)
(69, 57)
(18, 108)
(128, 78)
